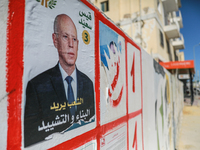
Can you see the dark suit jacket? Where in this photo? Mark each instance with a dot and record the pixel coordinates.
(46, 109)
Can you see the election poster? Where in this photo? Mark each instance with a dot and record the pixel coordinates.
(135, 133)
(58, 81)
(92, 145)
(134, 78)
(112, 74)
(116, 139)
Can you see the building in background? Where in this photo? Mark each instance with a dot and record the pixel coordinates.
(152, 24)
(155, 26)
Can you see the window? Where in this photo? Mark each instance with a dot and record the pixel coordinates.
(169, 51)
(158, 2)
(161, 39)
(175, 55)
(159, 6)
(168, 47)
(104, 6)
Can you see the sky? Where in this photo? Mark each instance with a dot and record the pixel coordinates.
(190, 11)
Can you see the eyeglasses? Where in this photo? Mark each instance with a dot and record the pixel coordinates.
(67, 38)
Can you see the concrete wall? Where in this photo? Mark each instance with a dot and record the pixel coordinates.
(137, 104)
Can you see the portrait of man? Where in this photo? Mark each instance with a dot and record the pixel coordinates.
(61, 98)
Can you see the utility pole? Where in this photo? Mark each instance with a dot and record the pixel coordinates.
(195, 66)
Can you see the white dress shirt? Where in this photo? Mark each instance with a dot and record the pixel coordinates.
(73, 83)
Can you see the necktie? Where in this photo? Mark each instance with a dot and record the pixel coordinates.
(70, 94)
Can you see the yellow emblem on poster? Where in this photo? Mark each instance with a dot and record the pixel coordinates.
(86, 37)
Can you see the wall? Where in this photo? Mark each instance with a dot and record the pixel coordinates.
(3, 93)
(181, 56)
(136, 104)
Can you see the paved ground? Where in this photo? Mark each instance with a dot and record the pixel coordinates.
(189, 135)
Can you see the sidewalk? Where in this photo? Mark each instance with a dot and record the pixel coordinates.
(189, 135)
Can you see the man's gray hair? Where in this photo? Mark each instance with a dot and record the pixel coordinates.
(55, 25)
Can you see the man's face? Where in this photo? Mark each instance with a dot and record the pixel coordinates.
(66, 42)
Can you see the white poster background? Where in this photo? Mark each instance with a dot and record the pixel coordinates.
(134, 98)
(149, 98)
(117, 139)
(132, 122)
(156, 126)
(92, 145)
(162, 107)
(40, 53)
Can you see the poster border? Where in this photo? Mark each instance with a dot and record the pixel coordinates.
(14, 72)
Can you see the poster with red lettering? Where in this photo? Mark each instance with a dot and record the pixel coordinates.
(134, 78)
(112, 74)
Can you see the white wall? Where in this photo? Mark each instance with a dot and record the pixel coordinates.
(3, 94)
